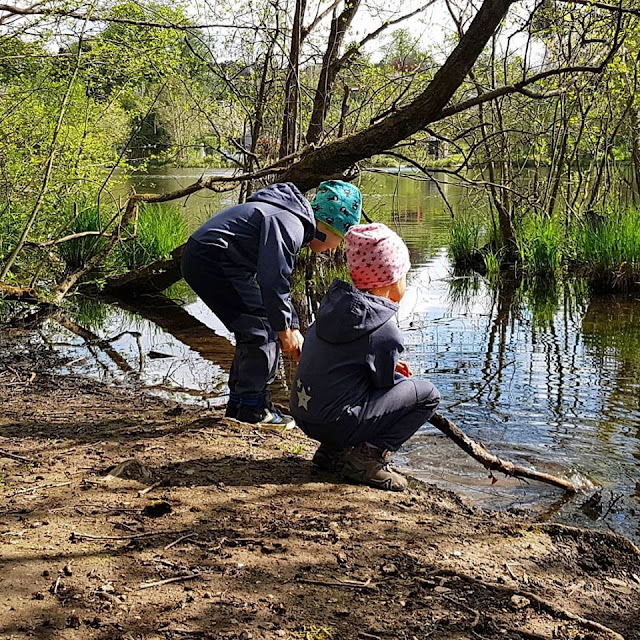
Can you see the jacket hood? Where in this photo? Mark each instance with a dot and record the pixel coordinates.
(287, 196)
(347, 313)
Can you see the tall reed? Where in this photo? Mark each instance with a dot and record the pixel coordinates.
(161, 228)
(82, 216)
(608, 250)
(464, 238)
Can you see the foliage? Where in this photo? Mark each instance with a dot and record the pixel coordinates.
(82, 216)
(541, 244)
(608, 249)
(465, 236)
(160, 229)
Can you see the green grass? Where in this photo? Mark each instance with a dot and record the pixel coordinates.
(492, 264)
(161, 228)
(608, 250)
(82, 216)
(465, 235)
(542, 244)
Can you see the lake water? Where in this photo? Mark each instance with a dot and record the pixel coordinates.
(545, 378)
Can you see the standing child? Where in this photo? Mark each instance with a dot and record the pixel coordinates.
(351, 392)
(239, 263)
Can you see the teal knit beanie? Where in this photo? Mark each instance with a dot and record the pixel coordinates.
(338, 204)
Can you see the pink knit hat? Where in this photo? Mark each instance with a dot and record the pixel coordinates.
(376, 255)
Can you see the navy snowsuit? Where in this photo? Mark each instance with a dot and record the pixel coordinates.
(346, 389)
(239, 262)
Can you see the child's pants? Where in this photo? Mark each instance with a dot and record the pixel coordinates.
(234, 296)
(387, 420)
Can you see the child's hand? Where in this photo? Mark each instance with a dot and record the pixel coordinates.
(403, 369)
(291, 341)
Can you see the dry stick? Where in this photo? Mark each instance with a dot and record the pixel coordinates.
(180, 539)
(13, 456)
(478, 452)
(343, 585)
(41, 486)
(148, 585)
(143, 492)
(86, 536)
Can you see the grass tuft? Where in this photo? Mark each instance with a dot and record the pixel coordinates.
(161, 228)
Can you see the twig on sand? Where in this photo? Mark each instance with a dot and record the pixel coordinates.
(143, 492)
(149, 585)
(180, 539)
(491, 461)
(79, 536)
(13, 456)
(37, 487)
(345, 584)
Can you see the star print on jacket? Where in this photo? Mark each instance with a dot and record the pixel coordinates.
(303, 397)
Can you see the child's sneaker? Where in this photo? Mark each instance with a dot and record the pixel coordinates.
(265, 417)
(369, 465)
(327, 459)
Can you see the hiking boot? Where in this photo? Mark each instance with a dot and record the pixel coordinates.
(367, 464)
(265, 417)
(327, 459)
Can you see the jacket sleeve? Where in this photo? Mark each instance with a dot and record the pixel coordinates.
(281, 237)
(385, 347)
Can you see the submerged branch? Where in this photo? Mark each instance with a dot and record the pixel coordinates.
(491, 462)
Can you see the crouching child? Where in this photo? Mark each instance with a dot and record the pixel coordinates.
(352, 392)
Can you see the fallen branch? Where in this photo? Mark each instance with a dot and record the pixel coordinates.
(13, 456)
(478, 452)
(7, 292)
(188, 576)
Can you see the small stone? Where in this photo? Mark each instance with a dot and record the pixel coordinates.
(389, 569)
(519, 602)
(267, 548)
(616, 582)
(67, 570)
(441, 589)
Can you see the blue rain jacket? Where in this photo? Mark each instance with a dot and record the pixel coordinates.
(262, 236)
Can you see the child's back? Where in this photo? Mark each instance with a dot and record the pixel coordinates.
(350, 350)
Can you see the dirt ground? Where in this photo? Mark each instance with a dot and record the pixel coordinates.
(220, 530)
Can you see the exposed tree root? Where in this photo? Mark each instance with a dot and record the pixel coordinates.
(553, 528)
(544, 605)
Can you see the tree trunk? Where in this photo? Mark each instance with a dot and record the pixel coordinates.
(329, 71)
(7, 292)
(288, 139)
